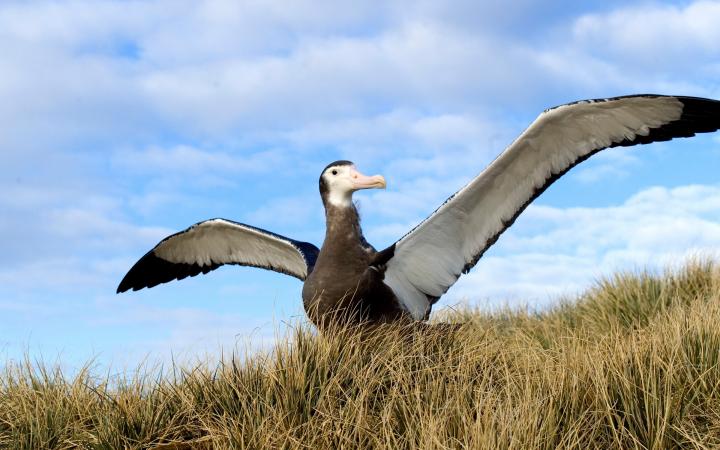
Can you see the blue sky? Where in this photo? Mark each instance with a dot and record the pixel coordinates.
(125, 121)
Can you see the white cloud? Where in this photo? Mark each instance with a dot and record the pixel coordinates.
(70, 273)
(404, 133)
(219, 69)
(657, 35)
(65, 237)
(296, 211)
(71, 23)
(185, 160)
(326, 77)
(558, 251)
(121, 115)
(413, 198)
(690, 27)
(613, 164)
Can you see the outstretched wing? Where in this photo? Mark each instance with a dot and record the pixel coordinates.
(208, 245)
(429, 259)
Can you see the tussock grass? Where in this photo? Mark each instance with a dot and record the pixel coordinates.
(632, 363)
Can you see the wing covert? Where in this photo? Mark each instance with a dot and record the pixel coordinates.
(208, 245)
(432, 256)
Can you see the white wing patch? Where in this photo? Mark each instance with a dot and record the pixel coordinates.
(208, 245)
(429, 259)
(219, 241)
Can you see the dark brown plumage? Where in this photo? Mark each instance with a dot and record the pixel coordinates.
(346, 282)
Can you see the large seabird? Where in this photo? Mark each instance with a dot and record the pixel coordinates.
(348, 278)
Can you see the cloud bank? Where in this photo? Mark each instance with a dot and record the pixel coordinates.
(124, 121)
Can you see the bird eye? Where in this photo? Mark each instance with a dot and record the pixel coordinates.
(334, 172)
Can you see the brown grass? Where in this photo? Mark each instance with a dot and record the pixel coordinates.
(632, 363)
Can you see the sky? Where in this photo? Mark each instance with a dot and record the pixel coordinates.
(125, 121)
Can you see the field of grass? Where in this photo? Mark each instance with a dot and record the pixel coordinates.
(632, 363)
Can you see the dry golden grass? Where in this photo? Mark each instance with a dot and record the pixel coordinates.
(632, 363)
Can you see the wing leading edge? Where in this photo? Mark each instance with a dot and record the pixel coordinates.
(431, 257)
(208, 245)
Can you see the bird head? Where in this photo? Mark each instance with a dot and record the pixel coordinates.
(340, 179)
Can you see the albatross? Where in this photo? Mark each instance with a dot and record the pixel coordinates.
(348, 278)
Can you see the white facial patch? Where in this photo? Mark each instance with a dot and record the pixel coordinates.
(340, 186)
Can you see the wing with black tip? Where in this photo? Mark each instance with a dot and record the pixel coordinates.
(208, 245)
(429, 259)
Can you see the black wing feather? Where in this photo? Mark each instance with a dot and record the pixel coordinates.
(411, 271)
(699, 115)
(151, 270)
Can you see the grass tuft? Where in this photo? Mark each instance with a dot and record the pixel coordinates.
(631, 363)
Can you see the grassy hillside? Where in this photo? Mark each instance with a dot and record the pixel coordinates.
(632, 363)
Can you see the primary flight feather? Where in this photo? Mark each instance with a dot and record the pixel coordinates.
(347, 279)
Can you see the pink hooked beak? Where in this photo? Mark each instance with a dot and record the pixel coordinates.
(360, 181)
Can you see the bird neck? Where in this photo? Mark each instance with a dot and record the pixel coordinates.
(342, 223)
